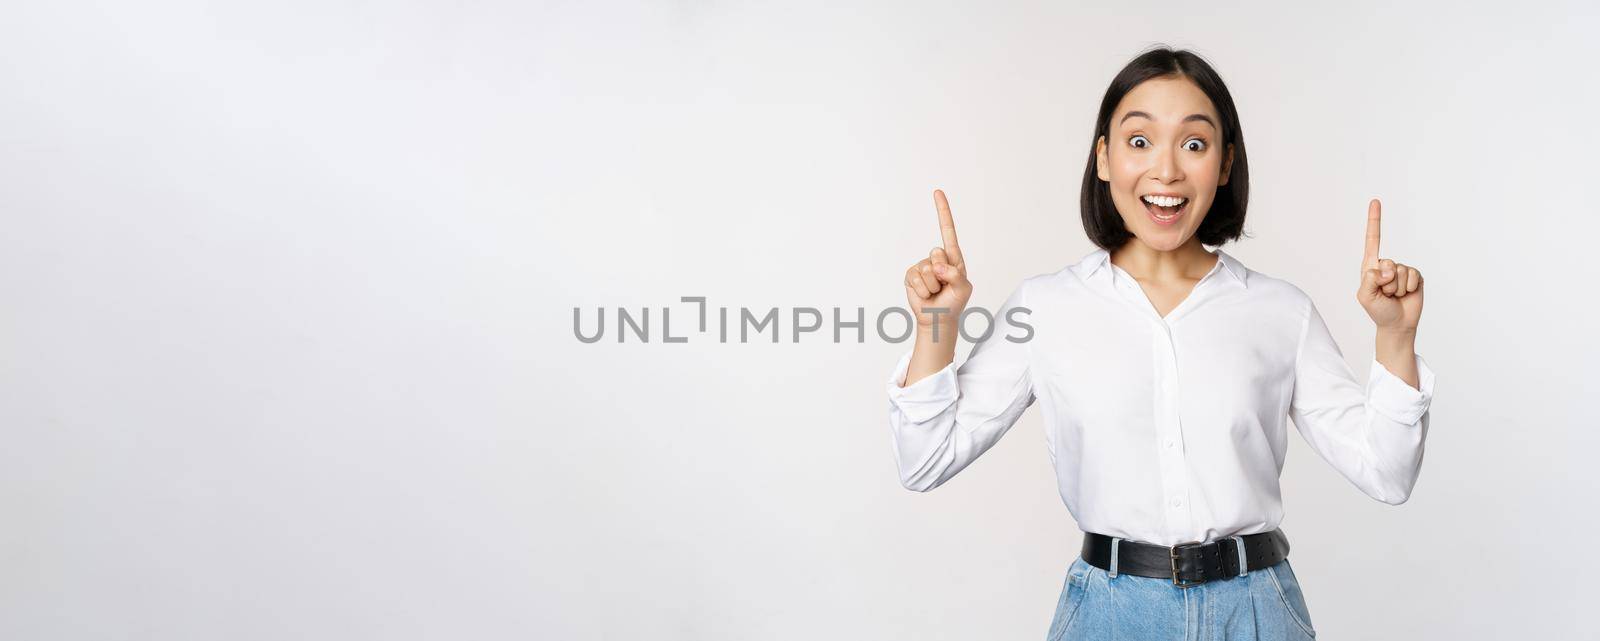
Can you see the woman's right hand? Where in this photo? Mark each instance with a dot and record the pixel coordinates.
(940, 280)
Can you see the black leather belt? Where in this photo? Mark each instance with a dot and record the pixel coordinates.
(1188, 564)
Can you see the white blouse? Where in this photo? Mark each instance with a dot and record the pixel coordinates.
(1165, 430)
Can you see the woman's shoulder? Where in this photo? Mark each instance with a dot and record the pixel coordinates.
(1264, 287)
(1078, 271)
(1062, 281)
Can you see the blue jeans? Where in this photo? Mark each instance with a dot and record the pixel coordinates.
(1265, 603)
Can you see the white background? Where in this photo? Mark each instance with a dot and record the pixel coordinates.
(286, 347)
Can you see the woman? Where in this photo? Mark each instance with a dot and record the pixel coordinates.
(1166, 373)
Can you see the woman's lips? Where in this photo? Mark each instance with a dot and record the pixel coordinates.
(1161, 217)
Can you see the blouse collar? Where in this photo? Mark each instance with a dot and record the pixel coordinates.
(1097, 260)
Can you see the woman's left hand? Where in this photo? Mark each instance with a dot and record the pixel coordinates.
(1391, 292)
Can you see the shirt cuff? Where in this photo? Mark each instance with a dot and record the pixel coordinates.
(926, 398)
(1397, 400)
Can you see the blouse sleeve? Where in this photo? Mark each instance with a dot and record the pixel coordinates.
(1372, 436)
(943, 422)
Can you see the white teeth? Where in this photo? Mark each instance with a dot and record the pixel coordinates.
(1165, 201)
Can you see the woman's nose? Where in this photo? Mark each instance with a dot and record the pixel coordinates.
(1166, 168)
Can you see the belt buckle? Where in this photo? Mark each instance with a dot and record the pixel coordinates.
(1172, 556)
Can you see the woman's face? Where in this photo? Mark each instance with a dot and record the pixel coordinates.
(1163, 142)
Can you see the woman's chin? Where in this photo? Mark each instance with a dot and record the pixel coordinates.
(1165, 239)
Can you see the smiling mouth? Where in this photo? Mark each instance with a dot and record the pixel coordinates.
(1165, 210)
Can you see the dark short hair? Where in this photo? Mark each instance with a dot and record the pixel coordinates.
(1225, 220)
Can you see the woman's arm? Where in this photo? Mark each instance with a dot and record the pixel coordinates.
(943, 422)
(933, 349)
(1373, 435)
(1395, 350)
(940, 419)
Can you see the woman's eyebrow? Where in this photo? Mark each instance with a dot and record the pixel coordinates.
(1190, 118)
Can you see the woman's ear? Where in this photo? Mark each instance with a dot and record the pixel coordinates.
(1227, 166)
(1100, 161)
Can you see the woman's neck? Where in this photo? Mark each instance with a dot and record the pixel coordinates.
(1189, 261)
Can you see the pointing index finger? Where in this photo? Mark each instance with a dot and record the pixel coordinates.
(1369, 259)
(947, 227)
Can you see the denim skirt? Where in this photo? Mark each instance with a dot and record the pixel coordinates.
(1265, 603)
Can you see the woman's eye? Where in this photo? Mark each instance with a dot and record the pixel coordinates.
(1195, 145)
(1135, 142)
